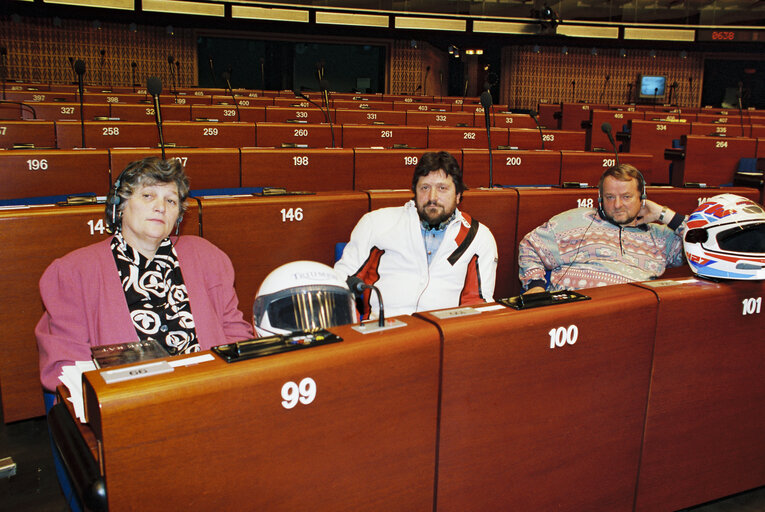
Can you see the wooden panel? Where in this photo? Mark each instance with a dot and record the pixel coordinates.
(294, 115)
(685, 200)
(727, 130)
(259, 237)
(549, 115)
(528, 427)
(228, 113)
(244, 101)
(298, 169)
(475, 138)
(145, 112)
(53, 172)
(366, 445)
(210, 134)
(106, 134)
(496, 209)
(206, 167)
(387, 168)
(67, 111)
(61, 229)
(35, 96)
(300, 135)
(346, 116)
(505, 120)
(417, 118)
(366, 136)
(524, 138)
(587, 167)
(652, 138)
(40, 133)
(596, 138)
(422, 106)
(572, 114)
(711, 160)
(511, 167)
(705, 417)
(363, 104)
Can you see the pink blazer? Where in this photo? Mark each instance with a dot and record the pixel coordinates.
(85, 305)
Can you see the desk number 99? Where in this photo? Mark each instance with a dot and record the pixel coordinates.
(293, 393)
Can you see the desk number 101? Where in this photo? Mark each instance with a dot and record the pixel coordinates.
(752, 306)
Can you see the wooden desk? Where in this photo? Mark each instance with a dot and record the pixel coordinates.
(652, 138)
(107, 134)
(228, 113)
(66, 111)
(732, 129)
(422, 106)
(703, 432)
(618, 121)
(218, 436)
(41, 134)
(572, 114)
(549, 115)
(298, 169)
(526, 138)
(474, 138)
(711, 160)
(527, 427)
(308, 135)
(53, 172)
(294, 114)
(511, 167)
(386, 168)
(366, 136)
(203, 134)
(418, 118)
(31, 239)
(505, 120)
(206, 167)
(145, 112)
(346, 116)
(260, 234)
(587, 166)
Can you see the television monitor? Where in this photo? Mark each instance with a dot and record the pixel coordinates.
(652, 86)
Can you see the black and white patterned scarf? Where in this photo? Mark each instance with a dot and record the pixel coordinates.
(156, 295)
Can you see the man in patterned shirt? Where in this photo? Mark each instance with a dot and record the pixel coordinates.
(627, 238)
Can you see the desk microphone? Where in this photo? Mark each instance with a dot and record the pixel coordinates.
(154, 87)
(486, 104)
(299, 94)
(358, 286)
(533, 114)
(79, 68)
(30, 107)
(324, 86)
(227, 77)
(606, 127)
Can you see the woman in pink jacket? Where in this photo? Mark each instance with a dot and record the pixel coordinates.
(142, 283)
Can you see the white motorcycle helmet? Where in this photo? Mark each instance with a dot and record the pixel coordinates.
(725, 238)
(302, 296)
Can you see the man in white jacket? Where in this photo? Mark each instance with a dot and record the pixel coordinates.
(426, 254)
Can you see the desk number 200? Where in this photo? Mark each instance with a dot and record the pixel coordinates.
(293, 393)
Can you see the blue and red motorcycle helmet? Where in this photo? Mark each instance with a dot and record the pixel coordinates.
(725, 238)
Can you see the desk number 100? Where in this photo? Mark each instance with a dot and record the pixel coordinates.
(562, 335)
(752, 306)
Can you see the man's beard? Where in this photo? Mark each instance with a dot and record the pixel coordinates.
(433, 222)
(627, 222)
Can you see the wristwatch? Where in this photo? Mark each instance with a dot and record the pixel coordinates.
(662, 214)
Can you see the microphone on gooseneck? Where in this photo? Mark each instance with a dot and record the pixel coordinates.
(533, 114)
(358, 286)
(486, 104)
(606, 127)
(324, 86)
(425, 87)
(154, 87)
(79, 68)
(227, 77)
(133, 66)
(212, 72)
(740, 108)
(170, 61)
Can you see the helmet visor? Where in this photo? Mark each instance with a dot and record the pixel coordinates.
(311, 307)
(749, 238)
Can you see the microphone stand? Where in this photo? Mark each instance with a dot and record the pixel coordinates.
(133, 65)
(486, 104)
(573, 91)
(533, 114)
(325, 95)
(227, 78)
(79, 68)
(154, 87)
(740, 108)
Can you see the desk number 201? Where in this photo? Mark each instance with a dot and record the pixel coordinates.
(562, 335)
(752, 306)
(304, 392)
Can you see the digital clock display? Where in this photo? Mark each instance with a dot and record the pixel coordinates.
(723, 35)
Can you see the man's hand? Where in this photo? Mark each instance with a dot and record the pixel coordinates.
(535, 289)
(651, 212)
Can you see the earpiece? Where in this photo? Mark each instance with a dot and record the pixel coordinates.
(114, 200)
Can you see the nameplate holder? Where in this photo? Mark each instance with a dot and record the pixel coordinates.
(536, 300)
(374, 326)
(138, 371)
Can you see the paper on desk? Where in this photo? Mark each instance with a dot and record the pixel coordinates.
(71, 376)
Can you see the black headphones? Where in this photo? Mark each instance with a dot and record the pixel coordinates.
(641, 185)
